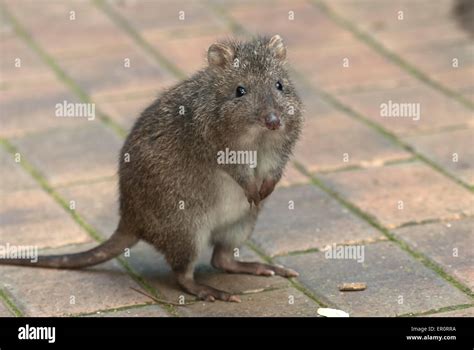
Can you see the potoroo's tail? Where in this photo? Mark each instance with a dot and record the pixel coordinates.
(107, 250)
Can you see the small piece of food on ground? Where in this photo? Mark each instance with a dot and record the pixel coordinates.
(350, 287)
(327, 312)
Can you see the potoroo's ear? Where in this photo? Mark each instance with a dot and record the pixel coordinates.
(220, 55)
(278, 47)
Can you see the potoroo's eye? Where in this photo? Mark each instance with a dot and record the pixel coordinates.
(279, 86)
(240, 91)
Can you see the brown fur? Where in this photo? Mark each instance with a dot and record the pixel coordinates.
(173, 157)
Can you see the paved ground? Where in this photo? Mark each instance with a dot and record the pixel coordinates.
(401, 188)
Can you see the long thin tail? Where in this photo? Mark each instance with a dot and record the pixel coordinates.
(109, 249)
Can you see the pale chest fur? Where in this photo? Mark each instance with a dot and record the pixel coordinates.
(232, 203)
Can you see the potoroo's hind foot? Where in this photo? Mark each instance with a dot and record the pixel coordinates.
(223, 259)
(204, 292)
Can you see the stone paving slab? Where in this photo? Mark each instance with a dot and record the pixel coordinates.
(48, 292)
(67, 155)
(420, 193)
(449, 150)
(304, 217)
(448, 243)
(396, 283)
(32, 217)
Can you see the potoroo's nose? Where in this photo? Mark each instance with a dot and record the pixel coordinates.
(272, 122)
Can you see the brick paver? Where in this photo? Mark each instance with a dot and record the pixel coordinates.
(403, 193)
(151, 265)
(4, 311)
(433, 107)
(32, 217)
(448, 244)
(396, 283)
(67, 155)
(145, 15)
(279, 303)
(326, 34)
(449, 150)
(349, 68)
(343, 142)
(452, 64)
(25, 111)
(189, 53)
(76, 29)
(41, 292)
(456, 313)
(365, 161)
(119, 71)
(126, 111)
(138, 311)
(411, 34)
(304, 217)
(14, 177)
(96, 202)
(292, 176)
(20, 66)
